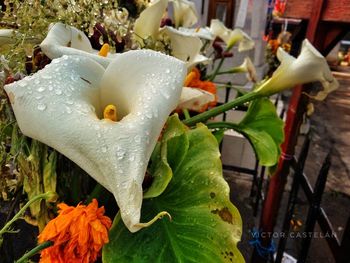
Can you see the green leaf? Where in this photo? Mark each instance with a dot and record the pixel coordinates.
(205, 226)
(264, 129)
(167, 156)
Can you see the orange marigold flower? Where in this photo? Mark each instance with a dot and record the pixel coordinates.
(193, 80)
(78, 234)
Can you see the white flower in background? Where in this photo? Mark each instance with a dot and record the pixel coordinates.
(310, 66)
(67, 40)
(63, 104)
(246, 67)
(6, 36)
(201, 32)
(231, 37)
(194, 99)
(185, 13)
(148, 23)
(185, 47)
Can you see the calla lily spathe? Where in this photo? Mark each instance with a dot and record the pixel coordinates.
(194, 99)
(248, 67)
(62, 107)
(231, 37)
(185, 13)
(185, 47)
(201, 32)
(148, 23)
(67, 40)
(310, 66)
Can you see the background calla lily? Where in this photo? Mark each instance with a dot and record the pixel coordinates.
(248, 67)
(201, 32)
(310, 66)
(194, 99)
(62, 105)
(67, 40)
(185, 13)
(6, 36)
(148, 23)
(185, 47)
(231, 37)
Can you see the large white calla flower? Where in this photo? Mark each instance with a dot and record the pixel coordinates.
(148, 23)
(231, 37)
(310, 66)
(67, 40)
(185, 13)
(185, 47)
(62, 107)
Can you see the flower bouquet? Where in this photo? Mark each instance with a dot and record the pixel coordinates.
(109, 91)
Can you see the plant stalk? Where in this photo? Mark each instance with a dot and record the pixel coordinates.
(202, 117)
(34, 251)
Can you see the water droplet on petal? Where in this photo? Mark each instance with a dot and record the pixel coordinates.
(41, 107)
(22, 83)
(137, 138)
(104, 149)
(58, 92)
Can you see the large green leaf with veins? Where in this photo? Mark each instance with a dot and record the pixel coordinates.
(205, 225)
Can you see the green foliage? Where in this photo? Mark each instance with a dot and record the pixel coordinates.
(264, 129)
(205, 226)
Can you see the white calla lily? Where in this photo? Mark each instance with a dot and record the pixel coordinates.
(246, 67)
(185, 47)
(201, 32)
(148, 23)
(310, 66)
(62, 106)
(67, 40)
(194, 99)
(185, 13)
(231, 37)
(6, 36)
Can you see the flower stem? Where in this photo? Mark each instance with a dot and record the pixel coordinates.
(222, 108)
(212, 76)
(46, 195)
(34, 251)
(186, 114)
(96, 192)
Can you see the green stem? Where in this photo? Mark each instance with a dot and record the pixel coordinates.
(34, 251)
(222, 125)
(220, 109)
(186, 114)
(212, 76)
(231, 71)
(23, 209)
(95, 193)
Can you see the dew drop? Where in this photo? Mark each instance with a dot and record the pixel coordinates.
(68, 110)
(137, 138)
(167, 71)
(41, 107)
(41, 89)
(46, 76)
(22, 83)
(58, 92)
(104, 149)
